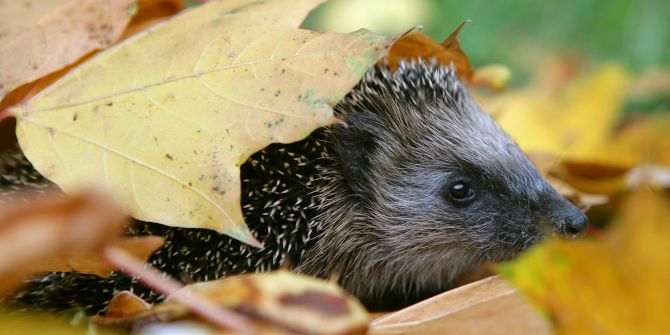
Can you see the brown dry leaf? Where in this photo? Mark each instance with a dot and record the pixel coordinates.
(39, 38)
(32, 235)
(204, 308)
(637, 142)
(593, 177)
(126, 303)
(289, 300)
(495, 306)
(604, 179)
(126, 310)
(416, 45)
(548, 164)
(85, 260)
(615, 284)
(278, 302)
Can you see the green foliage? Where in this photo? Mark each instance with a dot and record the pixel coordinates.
(632, 32)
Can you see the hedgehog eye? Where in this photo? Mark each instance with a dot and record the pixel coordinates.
(460, 192)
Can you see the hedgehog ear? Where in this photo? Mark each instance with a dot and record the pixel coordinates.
(355, 143)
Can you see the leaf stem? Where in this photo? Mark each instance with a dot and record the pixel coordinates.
(162, 283)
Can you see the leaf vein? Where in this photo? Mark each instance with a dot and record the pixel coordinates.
(169, 111)
(242, 104)
(190, 75)
(246, 47)
(134, 190)
(138, 162)
(59, 154)
(105, 169)
(202, 54)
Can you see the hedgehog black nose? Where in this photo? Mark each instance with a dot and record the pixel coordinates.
(574, 224)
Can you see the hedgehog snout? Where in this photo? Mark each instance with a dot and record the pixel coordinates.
(574, 224)
(569, 222)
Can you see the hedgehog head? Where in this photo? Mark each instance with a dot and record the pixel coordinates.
(425, 186)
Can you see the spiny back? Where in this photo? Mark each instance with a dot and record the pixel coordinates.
(278, 204)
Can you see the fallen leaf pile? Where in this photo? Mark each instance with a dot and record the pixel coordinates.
(613, 282)
(279, 302)
(574, 130)
(248, 77)
(286, 300)
(163, 120)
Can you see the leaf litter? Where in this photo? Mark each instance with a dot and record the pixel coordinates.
(603, 143)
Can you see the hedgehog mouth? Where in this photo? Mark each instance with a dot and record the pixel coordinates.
(510, 245)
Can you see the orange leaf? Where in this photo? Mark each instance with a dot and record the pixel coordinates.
(151, 12)
(126, 304)
(416, 45)
(88, 261)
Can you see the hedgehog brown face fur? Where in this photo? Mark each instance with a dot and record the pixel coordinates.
(423, 188)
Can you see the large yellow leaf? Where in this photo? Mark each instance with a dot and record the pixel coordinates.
(617, 284)
(40, 37)
(165, 119)
(575, 124)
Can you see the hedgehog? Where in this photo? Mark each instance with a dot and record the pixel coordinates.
(418, 188)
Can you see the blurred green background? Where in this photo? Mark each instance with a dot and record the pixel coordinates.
(520, 33)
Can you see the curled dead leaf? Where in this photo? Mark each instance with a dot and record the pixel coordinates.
(288, 300)
(125, 304)
(279, 302)
(416, 45)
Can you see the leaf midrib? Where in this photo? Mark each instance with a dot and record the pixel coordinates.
(136, 161)
(166, 81)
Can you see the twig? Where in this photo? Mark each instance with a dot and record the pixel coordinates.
(169, 287)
